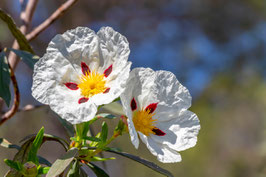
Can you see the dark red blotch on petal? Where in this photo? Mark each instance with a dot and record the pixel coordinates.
(107, 90)
(133, 104)
(158, 132)
(83, 100)
(71, 85)
(108, 71)
(151, 107)
(85, 68)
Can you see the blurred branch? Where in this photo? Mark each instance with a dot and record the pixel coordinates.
(59, 12)
(28, 107)
(15, 105)
(26, 17)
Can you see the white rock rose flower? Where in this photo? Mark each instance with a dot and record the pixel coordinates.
(80, 71)
(156, 106)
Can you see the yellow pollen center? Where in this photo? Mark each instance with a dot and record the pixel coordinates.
(143, 121)
(91, 84)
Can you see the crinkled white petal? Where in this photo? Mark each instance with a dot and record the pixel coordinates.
(133, 133)
(50, 71)
(65, 103)
(77, 45)
(181, 131)
(114, 50)
(164, 153)
(180, 125)
(62, 64)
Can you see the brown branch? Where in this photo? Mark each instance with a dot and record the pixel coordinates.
(15, 105)
(59, 12)
(26, 17)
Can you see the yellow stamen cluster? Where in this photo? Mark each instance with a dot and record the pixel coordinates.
(143, 121)
(91, 84)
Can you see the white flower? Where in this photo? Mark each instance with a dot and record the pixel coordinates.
(80, 71)
(156, 106)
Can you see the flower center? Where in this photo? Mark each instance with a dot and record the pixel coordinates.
(143, 121)
(91, 84)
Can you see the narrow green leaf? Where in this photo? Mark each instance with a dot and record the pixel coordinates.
(143, 162)
(43, 170)
(62, 163)
(114, 107)
(90, 138)
(12, 164)
(86, 127)
(22, 41)
(48, 137)
(6, 144)
(105, 115)
(26, 57)
(44, 161)
(74, 170)
(35, 147)
(95, 158)
(97, 170)
(104, 132)
(22, 155)
(4, 79)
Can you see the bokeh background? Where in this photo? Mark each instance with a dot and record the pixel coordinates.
(216, 48)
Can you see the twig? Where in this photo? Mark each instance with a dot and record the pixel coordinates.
(59, 12)
(25, 16)
(28, 108)
(15, 105)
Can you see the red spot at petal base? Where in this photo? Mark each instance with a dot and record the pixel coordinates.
(108, 71)
(83, 100)
(107, 90)
(151, 107)
(133, 104)
(71, 85)
(158, 132)
(85, 68)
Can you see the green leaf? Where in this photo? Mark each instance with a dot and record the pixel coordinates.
(21, 156)
(23, 153)
(21, 39)
(35, 147)
(90, 138)
(114, 107)
(6, 144)
(105, 115)
(62, 163)
(26, 57)
(43, 170)
(74, 170)
(97, 170)
(86, 127)
(104, 132)
(143, 162)
(4, 79)
(95, 158)
(48, 137)
(44, 161)
(14, 164)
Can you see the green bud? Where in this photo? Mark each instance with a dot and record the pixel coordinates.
(30, 169)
